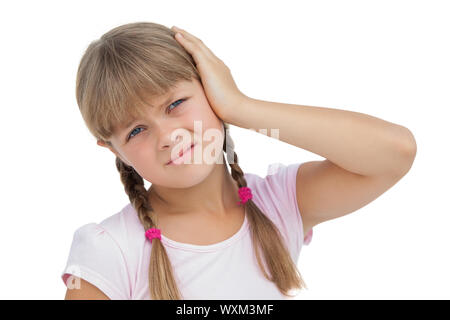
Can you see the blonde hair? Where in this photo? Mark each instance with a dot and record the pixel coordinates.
(115, 75)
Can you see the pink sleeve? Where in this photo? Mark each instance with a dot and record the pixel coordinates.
(277, 193)
(284, 180)
(95, 257)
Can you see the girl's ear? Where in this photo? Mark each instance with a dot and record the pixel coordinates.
(101, 143)
(104, 144)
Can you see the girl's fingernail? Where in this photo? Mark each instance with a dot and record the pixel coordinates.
(179, 35)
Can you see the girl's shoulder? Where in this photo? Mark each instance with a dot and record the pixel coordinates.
(279, 178)
(124, 227)
(121, 231)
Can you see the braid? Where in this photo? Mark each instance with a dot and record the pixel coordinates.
(135, 189)
(162, 283)
(265, 235)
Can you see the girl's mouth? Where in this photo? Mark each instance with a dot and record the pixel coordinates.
(182, 155)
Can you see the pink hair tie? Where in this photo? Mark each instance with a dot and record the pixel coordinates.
(245, 194)
(153, 233)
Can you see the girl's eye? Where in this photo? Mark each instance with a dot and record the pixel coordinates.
(131, 133)
(174, 103)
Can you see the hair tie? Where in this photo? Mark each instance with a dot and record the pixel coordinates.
(153, 233)
(245, 194)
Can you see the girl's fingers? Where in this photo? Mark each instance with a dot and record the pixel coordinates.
(193, 44)
(191, 41)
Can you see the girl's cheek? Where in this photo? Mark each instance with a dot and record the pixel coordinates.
(207, 119)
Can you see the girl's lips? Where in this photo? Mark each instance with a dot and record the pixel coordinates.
(181, 154)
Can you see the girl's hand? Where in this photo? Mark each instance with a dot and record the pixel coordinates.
(218, 84)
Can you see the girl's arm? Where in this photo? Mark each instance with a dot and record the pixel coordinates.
(365, 156)
(354, 141)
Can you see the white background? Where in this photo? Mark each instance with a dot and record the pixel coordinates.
(388, 59)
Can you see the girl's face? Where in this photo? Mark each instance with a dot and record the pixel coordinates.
(149, 144)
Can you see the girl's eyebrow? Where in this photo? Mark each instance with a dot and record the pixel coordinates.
(130, 123)
(166, 102)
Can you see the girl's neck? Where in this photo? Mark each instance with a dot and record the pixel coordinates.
(214, 197)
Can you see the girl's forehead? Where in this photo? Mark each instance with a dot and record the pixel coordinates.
(155, 100)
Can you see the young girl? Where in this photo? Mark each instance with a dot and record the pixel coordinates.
(161, 101)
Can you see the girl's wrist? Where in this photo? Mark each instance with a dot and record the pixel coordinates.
(236, 111)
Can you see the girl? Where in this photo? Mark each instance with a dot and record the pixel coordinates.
(158, 98)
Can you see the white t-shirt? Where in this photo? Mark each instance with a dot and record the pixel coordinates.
(114, 255)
